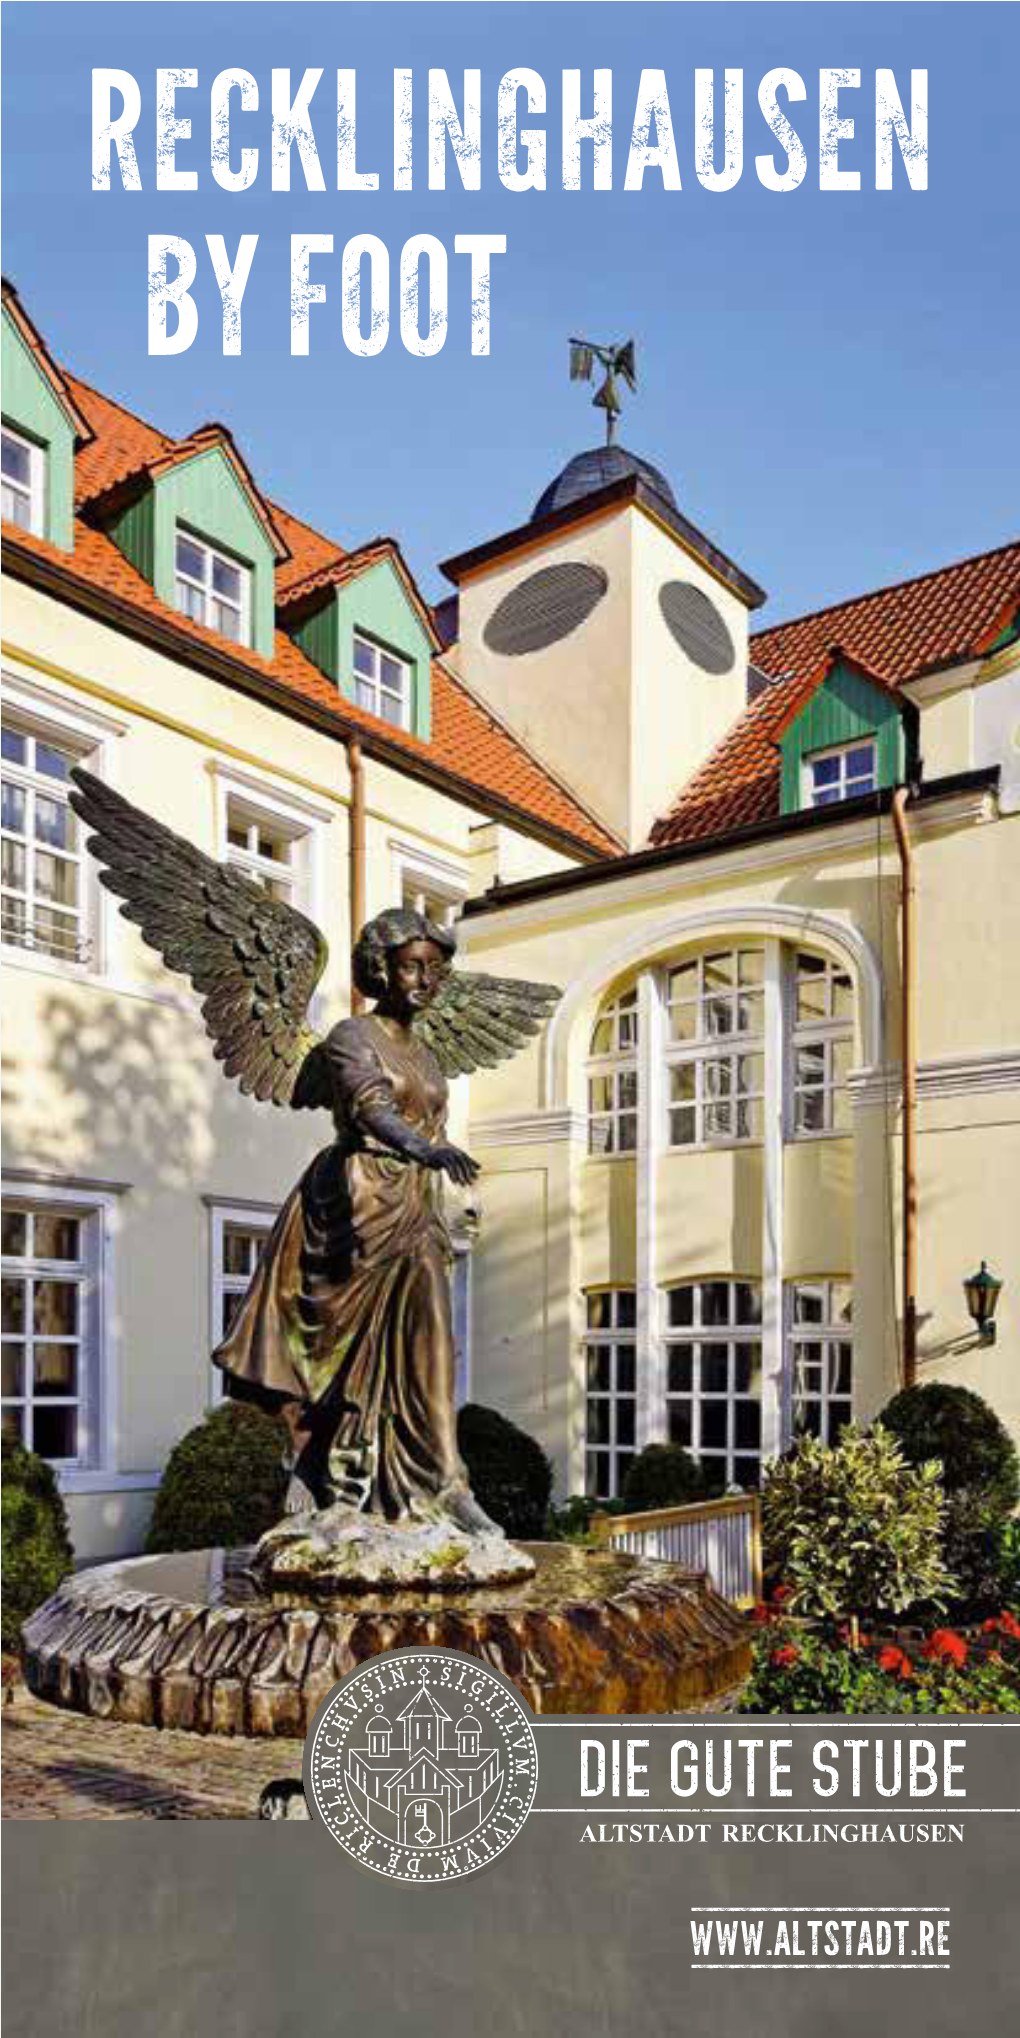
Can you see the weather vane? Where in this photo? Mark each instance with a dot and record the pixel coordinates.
(616, 361)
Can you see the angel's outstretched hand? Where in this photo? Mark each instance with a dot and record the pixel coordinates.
(454, 1162)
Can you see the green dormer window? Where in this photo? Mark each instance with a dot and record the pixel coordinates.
(24, 482)
(212, 588)
(382, 683)
(843, 773)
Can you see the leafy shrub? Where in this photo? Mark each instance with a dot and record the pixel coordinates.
(37, 1551)
(800, 1670)
(662, 1475)
(854, 1529)
(510, 1475)
(980, 1476)
(224, 1483)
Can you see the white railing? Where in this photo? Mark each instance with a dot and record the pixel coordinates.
(720, 1537)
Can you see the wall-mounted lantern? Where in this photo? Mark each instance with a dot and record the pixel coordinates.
(982, 1291)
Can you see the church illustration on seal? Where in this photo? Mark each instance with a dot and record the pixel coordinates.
(421, 1780)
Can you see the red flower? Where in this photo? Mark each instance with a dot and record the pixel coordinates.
(946, 1646)
(1009, 1625)
(906, 1668)
(786, 1657)
(761, 1616)
(781, 1593)
(892, 1659)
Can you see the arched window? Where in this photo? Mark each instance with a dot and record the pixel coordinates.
(715, 1047)
(612, 1076)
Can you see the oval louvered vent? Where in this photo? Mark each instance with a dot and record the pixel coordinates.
(544, 608)
(695, 624)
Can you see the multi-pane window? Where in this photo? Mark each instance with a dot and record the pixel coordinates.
(264, 849)
(839, 774)
(820, 1358)
(24, 473)
(237, 1245)
(48, 1327)
(212, 589)
(610, 1358)
(821, 1044)
(382, 683)
(713, 1377)
(439, 907)
(613, 1077)
(43, 902)
(715, 1048)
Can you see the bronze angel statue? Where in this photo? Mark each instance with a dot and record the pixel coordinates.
(346, 1325)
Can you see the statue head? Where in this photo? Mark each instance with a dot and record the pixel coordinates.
(378, 961)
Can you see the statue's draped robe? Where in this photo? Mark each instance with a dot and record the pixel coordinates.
(346, 1324)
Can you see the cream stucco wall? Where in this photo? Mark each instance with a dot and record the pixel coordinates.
(109, 1080)
(840, 1195)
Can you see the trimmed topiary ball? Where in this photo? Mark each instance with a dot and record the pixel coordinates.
(224, 1483)
(980, 1477)
(37, 1550)
(662, 1475)
(956, 1426)
(509, 1473)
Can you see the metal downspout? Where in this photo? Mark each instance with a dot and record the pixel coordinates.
(908, 1028)
(356, 848)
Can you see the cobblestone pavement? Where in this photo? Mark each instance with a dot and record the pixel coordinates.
(57, 1765)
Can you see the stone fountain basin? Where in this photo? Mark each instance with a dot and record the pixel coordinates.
(192, 1641)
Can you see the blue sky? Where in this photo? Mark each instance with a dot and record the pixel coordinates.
(829, 379)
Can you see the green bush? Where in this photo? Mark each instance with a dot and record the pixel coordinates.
(224, 1483)
(662, 1475)
(980, 1477)
(976, 1452)
(572, 1522)
(854, 1528)
(510, 1475)
(37, 1551)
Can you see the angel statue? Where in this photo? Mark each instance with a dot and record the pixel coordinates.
(345, 1329)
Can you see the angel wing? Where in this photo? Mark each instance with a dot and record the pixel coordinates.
(254, 961)
(476, 1022)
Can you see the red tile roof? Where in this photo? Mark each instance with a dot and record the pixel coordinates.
(468, 744)
(894, 635)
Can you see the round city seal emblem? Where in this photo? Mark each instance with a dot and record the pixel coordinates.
(422, 1765)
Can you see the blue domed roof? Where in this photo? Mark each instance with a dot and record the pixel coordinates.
(588, 472)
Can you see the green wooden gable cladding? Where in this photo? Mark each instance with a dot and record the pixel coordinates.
(374, 605)
(846, 708)
(205, 497)
(31, 407)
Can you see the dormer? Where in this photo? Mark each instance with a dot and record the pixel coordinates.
(42, 425)
(195, 525)
(854, 736)
(361, 620)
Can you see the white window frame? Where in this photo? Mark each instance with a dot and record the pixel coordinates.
(34, 495)
(211, 554)
(97, 1212)
(287, 813)
(831, 1038)
(257, 1219)
(829, 1332)
(611, 1338)
(421, 879)
(371, 684)
(840, 788)
(716, 1337)
(89, 733)
(617, 1065)
(706, 1054)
